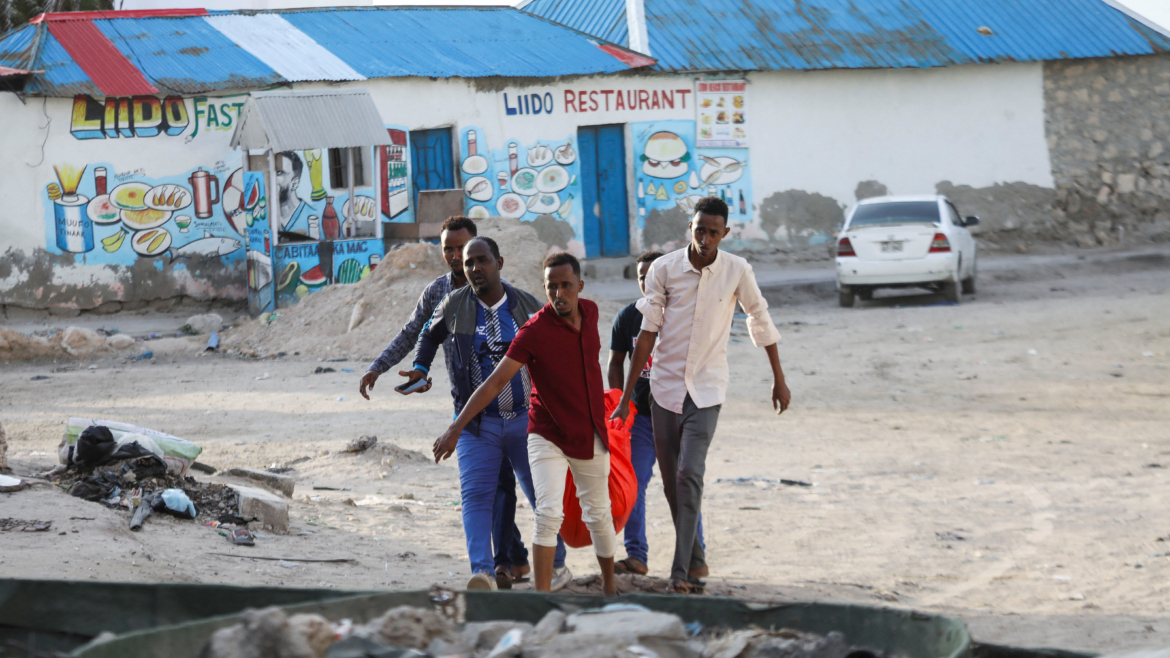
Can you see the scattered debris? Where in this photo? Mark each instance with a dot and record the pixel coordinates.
(247, 556)
(785, 482)
(203, 468)
(949, 536)
(20, 525)
(37, 378)
(321, 370)
(361, 444)
(212, 342)
(145, 355)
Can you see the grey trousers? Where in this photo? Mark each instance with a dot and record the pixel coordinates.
(681, 441)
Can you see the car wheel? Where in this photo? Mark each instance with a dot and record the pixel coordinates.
(969, 285)
(845, 297)
(866, 295)
(950, 290)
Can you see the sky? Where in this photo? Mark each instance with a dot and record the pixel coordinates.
(1155, 10)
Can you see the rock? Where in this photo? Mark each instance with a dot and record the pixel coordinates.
(3, 450)
(1126, 183)
(484, 635)
(361, 444)
(262, 634)
(120, 341)
(270, 509)
(204, 324)
(282, 483)
(549, 627)
(355, 318)
(628, 624)
(405, 626)
(316, 630)
(82, 342)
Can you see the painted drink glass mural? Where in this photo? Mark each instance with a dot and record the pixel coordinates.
(118, 219)
(671, 174)
(524, 181)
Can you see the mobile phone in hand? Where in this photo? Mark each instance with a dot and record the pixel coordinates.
(410, 388)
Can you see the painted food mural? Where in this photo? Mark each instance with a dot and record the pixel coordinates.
(523, 181)
(672, 174)
(119, 220)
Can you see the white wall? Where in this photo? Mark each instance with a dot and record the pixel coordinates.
(908, 129)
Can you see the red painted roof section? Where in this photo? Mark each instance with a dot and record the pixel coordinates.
(627, 57)
(128, 13)
(101, 61)
(5, 71)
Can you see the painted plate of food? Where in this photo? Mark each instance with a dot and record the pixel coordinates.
(552, 180)
(565, 155)
(479, 212)
(539, 155)
(151, 242)
(130, 196)
(168, 197)
(524, 182)
(102, 211)
(478, 188)
(140, 220)
(511, 205)
(542, 204)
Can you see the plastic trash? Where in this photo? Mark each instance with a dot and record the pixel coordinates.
(177, 501)
(212, 342)
(145, 355)
(509, 645)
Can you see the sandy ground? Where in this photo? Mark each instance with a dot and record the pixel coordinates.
(1004, 460)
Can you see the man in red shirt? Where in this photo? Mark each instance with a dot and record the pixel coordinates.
(566, 416)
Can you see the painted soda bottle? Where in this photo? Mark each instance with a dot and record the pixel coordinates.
(329, 223)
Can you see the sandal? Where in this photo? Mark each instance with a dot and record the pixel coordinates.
(631, 565)
(678, 586)
(503, 578)
(241, 537)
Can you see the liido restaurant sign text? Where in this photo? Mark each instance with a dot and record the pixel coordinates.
(582, 101)
(721, 114)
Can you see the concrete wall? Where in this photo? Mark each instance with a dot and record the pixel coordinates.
(1109, 134)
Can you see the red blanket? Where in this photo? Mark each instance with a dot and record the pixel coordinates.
(623, 483)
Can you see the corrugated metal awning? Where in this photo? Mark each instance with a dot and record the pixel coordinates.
(295, 120)
(6, 72)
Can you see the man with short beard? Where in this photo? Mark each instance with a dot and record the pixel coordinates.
(566, 419)
(511, 556)
(481, 320)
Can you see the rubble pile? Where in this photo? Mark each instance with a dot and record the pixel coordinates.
(322, 324)
(618, 629)
(72, 342)
(123, 484)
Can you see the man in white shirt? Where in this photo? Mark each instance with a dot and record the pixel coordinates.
(687, 310)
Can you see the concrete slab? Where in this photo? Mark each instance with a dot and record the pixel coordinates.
(268, 508)
(275, 481)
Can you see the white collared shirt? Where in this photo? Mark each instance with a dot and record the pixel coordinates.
(692, 311)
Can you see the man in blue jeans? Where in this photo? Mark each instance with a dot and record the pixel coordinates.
(482, 319)
(626, 327)
(511, 555)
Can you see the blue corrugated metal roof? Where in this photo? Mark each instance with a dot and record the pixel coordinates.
(186, 53)
(761, 35)
(451, 42)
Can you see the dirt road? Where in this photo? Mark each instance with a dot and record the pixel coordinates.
(1005, 460)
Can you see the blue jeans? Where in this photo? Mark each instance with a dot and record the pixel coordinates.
(643, 456)
(510, 550)
(480, 459)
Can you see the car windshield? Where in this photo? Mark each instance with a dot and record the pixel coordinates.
(898, 212)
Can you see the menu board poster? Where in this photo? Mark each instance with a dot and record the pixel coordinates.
(722, 114)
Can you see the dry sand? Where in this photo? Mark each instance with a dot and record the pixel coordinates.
(954, 470)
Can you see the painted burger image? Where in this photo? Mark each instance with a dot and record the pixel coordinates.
(665, 156)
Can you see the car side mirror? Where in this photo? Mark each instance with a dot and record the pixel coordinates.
(971, 221)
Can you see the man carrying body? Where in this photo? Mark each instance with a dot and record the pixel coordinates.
(687, 309)
(511, 556)
(626, 327)
(566, 420)
(482, 321)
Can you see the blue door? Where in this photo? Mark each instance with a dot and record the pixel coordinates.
(432, 161)
(603, 182)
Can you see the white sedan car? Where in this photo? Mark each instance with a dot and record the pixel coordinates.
(905, 241)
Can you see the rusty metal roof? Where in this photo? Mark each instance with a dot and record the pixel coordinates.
(120, 53)
(763, 35)
(296, 120)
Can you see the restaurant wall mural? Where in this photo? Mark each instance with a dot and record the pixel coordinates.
(109, 218)
(670, 173)
(523, 180)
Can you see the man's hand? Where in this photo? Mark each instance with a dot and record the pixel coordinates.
(781, 396)
(413, 376)
(368, 380)
(622, 411)
(445, 444)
